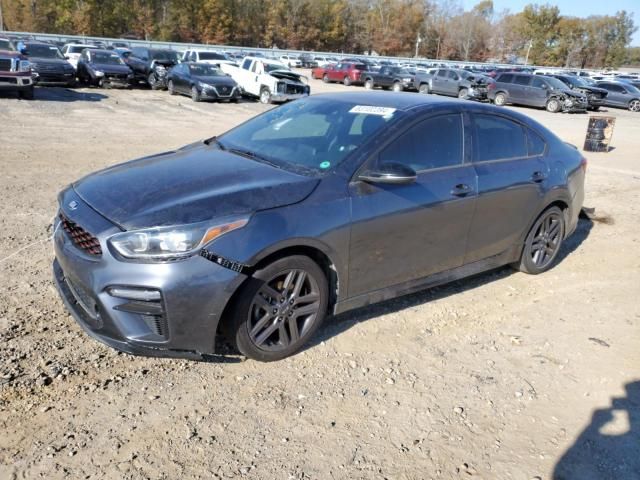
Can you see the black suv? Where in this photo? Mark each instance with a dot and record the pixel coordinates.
(595, 95)
(536, 91)
(151, 65)
(49, 65)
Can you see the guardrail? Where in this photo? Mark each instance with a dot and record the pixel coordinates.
(180, 46)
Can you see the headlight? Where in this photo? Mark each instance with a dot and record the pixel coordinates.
(167, 243)
(24, 66)
(407, 79)
(99, 73)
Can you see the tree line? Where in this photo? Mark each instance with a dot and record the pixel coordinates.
(437, 29)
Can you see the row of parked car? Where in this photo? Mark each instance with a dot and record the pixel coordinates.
(557, 92)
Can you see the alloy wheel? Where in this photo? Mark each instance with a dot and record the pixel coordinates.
(283, 310)
(546, 240)
(634, 105)
(500, 99)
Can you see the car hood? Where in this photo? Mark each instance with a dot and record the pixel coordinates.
(594, 90)
(49, 62)
(194, 184)
(215, 80)
(108, 68)
(286, 74)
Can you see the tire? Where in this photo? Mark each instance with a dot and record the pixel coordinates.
(266, 323)
(71, 84)
(195, 94)
(325, 78)
(27, 94)
(595, 109)
(543, 242)
(368, 84)
(265, 95)
(346, 81)
(500, 99)
(553, 105)
(634, 105)
(463, 93)
(171, 88)
(424, 88)
(397, 87)
(153, 83)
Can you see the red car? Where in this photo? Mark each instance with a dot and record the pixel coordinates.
(318, 72)
(345, 72)
(15, 70)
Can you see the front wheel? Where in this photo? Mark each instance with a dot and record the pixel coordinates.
(424, 88)
(553, 105)
(397, 87)
(500, 99)
(195, 94)
(634, 105)
(368, 84)
(325, 78)
(171, 88)
(463, 93)
(543, 242)
(265, 95)
(27, 94)
(153, 81)
(280, 308)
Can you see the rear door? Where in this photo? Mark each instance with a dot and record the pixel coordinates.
(402, 233)
(335, 74)
(512, 174)
(518, 89)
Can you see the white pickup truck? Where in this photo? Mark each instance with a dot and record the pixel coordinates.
(269, 80)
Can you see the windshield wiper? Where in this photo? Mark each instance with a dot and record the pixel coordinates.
(215, 140)
(253, 156)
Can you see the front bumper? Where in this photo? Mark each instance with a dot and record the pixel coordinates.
(51, 78)
(15, 82)
(181, 323)
(214, 92)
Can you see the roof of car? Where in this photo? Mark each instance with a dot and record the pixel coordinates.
(400, 101)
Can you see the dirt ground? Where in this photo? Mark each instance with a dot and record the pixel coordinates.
(501, 376)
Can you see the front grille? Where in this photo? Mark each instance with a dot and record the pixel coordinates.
(5, 64)
(80, 237)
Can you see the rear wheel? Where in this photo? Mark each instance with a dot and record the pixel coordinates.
(346, 81)
(368, 84)
(171, 88)
(325, 78)
(634, 105)
(195, 94)
(543, 242)
(280, 308)
(553, 105)
(500, 99)
(424, 88)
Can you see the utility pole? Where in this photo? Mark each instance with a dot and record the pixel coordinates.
(526, 59)
(418, 42)
(1, 19)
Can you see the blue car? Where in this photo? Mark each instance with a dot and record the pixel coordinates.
(322, 205)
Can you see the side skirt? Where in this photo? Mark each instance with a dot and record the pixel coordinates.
(434, 280)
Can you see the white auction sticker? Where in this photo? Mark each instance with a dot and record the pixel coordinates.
(369, 110)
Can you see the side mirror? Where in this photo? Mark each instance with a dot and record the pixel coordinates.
(390, 173)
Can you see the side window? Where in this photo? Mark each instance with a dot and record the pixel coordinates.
(433, 143)
(521, 80)
(442, 73)
(506, 78)
(498, 138)
(537, 82)
(246, 64)
(339, 66)
(535, 143)
(453, 75)
(254, 67)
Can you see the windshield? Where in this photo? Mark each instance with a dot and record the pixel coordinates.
(270, 67)
(204, 70)
(6, 45)
(104, 58)
(309, 135)
(211, 56)
(555, 83)
(78, 48)
(166, 55)
(631, 89)
(43, 51)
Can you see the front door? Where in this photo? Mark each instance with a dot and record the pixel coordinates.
(405, 232)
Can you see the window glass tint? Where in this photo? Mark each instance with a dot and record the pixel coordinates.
(442, 73)
(506, 78)
(453, 75)
(521, 80)
(535, 143)
(498, 138)
(433, 143)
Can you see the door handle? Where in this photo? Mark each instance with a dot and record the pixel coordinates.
(538, 177)
(461, 190)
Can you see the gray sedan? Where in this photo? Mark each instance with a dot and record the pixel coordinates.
(621, 94)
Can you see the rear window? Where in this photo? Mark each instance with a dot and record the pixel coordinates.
(535, 143)
(211, 56)
(505, 78)
(360, 66)
(498, 138)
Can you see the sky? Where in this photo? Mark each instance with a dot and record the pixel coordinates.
(573, 8)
